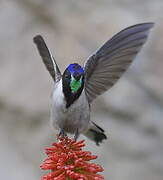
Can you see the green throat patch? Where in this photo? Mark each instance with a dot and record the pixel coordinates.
(75, 85)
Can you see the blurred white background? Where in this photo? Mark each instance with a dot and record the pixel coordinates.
(131, 112)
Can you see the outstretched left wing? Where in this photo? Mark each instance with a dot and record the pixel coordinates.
(47, 58)
(105, 67)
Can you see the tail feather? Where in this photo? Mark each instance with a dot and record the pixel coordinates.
(95, 133)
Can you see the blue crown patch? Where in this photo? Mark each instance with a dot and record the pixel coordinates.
(75, 68)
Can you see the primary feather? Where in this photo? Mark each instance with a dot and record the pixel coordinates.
(47, 58)
(106, 66)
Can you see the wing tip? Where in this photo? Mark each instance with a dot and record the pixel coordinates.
(149, 24)
(37, 39)
(146, 25)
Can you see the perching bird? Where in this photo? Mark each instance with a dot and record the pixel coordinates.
(77, 87)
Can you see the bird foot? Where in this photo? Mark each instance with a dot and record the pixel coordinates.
(76, 135)
(62, 133)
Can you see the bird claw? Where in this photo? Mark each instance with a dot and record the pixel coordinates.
(62, 133)
(76, 135)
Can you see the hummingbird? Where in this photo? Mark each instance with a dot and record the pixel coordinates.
(75, 89)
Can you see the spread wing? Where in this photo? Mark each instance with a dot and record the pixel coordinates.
(107, 65)
(47, 58)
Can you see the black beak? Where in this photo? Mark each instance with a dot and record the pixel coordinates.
(77, 76)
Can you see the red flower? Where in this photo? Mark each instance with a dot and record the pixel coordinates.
(67, 161)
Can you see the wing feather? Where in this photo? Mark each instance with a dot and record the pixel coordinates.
(47, 58)
(106, 66)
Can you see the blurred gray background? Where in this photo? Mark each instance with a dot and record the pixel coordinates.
(131, 112)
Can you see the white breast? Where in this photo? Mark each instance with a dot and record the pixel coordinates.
(76, 116)
(58, 99)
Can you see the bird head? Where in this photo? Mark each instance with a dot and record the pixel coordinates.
(73, 77)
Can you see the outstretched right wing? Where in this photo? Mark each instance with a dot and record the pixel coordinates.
(107, 65)
(47, 58)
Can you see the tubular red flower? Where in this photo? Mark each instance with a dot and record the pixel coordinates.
(67, 161)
